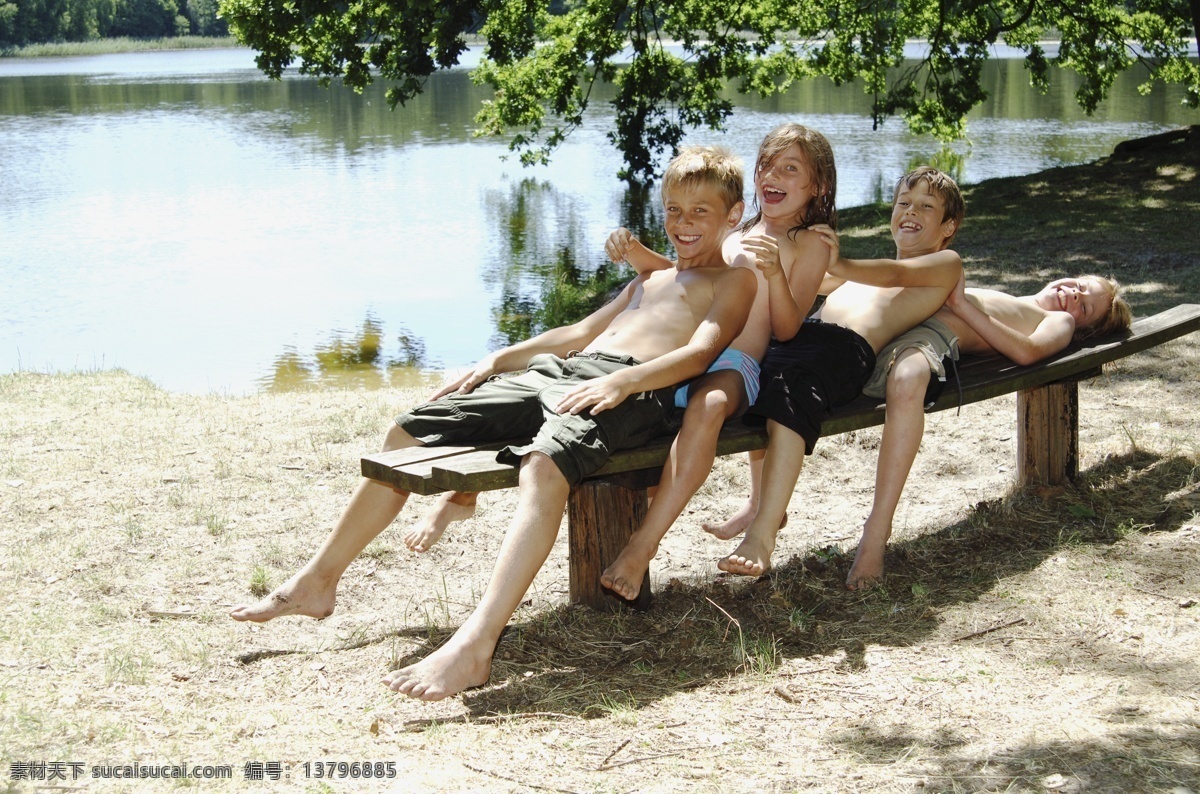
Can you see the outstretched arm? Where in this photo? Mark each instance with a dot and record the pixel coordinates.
(734, 294)
(622, 246)
(558, 341)
(927, 270)
(1051, 335)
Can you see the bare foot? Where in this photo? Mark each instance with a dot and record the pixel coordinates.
(737, 523)
(301, 595)
(625, 576)
(456, 666)
(450, 507)
(751, 558)
(867, 570)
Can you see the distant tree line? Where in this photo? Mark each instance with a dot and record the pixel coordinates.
(25, 22)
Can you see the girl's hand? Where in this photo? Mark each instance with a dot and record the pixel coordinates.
(766, 254)
(830, 238)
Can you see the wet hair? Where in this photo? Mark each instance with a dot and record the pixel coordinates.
(819, 157)
(1117, 318)
(941, 185)
(714, 167)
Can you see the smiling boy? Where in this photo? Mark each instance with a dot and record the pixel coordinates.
(581, 392)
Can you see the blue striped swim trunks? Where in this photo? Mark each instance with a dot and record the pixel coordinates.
(729, 359)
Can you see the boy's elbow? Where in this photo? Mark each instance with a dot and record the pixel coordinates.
(1027, 358)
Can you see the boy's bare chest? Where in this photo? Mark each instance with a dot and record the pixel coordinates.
(673, 291)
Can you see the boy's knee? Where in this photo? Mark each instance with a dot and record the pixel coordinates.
(540, 468)
(909, 377)
(398, 438)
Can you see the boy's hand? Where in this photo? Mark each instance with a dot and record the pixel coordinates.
(957, 295)
(619, 244)
(467, 382)
(766, 254)
(599, 394)
(830, 238)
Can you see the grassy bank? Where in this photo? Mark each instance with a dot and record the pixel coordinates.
(1042, 640)
(66, 49)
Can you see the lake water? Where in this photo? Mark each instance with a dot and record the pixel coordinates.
(178, 215)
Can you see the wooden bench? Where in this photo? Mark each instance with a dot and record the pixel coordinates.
(604, 509)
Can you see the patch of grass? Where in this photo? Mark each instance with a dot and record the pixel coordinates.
(260, 581)
(621, 707)
(761, 655)
(133, 529)
(122, 666)
(216, 525)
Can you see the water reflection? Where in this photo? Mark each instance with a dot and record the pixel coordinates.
(354, 360)
(548, 264)
(173, 191)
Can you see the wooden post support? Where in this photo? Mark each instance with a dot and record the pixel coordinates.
(1048, 434)
(601, 515)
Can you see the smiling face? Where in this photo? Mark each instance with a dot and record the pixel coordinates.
(697, 220)
(1088, 299)
(784, 186)
(919, 223)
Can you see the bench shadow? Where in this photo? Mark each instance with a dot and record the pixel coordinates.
(577, 662)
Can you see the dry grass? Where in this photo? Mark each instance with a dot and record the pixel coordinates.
(1024, 641)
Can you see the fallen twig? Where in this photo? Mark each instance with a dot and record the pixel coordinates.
(972, 635)
(499, 776)
(651, 757)
(620, 747)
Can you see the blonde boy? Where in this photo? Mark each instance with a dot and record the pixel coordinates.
(665, 327)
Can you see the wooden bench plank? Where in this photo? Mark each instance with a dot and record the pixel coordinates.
(411, 469)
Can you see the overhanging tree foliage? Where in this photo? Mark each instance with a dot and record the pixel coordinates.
(543, 59)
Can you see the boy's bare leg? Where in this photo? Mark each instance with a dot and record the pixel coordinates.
(781, 471)
(904, 424)
(450, 507)
(736, 524)
(714, 399)
(465, 660)
(312, 590)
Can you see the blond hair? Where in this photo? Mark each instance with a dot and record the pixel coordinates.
(944, 187)
(819, 156)
(1119, 314)
(715, 167)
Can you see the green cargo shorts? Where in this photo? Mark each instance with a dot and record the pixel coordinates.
(521, 405)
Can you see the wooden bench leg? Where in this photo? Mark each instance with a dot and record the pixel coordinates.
(601, 515)
(1048, 434)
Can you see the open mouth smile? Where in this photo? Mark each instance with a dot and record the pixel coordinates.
(773, 195)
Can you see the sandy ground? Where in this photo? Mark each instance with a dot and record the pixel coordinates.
(1040, 642)
(1044, 640)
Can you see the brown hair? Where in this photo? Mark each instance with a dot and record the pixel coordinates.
(819, 155)
(1119, 314)
(941, 185)
(711, 166)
